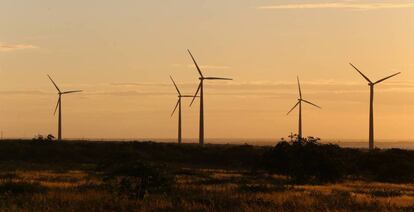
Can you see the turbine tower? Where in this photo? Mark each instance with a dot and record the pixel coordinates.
(371, 103)
(300, 100)
(179, 109)
(201, 90)
(59, 105)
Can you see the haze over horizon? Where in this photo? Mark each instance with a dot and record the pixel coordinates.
(121, 55)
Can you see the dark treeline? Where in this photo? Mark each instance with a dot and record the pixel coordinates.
(303, 162)
(76, 153)
(311, 161)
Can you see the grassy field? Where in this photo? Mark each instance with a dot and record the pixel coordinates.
(79, 176)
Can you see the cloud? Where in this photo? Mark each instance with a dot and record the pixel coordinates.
(131, 84)
(128, 93)
(24, 92)
(281, 89)
(209, 67)
(259, 88)
(212, 67)
(6, 47)
(339, 5)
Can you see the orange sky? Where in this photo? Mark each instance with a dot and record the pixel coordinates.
(122, 53)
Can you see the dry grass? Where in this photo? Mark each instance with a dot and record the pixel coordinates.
(202, 190)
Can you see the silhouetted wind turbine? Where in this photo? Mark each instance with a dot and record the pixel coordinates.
(201, 90)
(179, 109)
(371, 104)
(300, 100)
(59, 105)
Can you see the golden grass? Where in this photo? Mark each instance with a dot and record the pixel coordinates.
(207, 190)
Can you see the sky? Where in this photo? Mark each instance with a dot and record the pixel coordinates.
(121, 53)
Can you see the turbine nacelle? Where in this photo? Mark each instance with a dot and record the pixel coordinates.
(202, 77)
(68, 92)
(60, 93)
(300, 99)
(370, 83)
(179, 96)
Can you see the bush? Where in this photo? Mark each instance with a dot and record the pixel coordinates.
(136, 180)
(306, 161)
(392, 165)
(11, 187)
(310, 161)
(41, 138)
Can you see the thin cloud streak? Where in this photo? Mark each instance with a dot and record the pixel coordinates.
(6, 47)
(259, 88)
(24, 92)
(340, 5)
(213, 67)
(249, 88)
(268, 84)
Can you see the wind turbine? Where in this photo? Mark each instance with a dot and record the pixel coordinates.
(59, 105)
(201, 90)
(371, 104)
(300, 100)
(179, 109)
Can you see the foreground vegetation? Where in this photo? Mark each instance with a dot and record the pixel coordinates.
(102, 176)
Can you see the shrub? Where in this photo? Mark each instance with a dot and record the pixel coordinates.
(41, 138)
(136, 180)
(11, 187)
(385, 193)
(306, 161)
(393, 165)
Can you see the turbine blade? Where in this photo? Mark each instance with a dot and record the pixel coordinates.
(300, 91)
(178, 102)
(195, 63)
(293, 108)
(195, 95)
(381, 80)
(178, 90)
(53, 83)
(361, 73)
(217, 78)
(77, 91)
(57, 105)
(311, 103)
